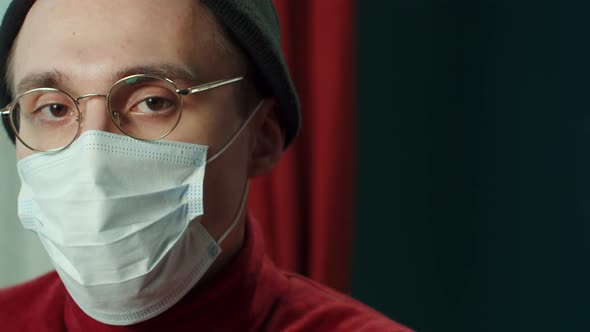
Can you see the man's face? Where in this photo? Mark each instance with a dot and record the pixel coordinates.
(91, 44)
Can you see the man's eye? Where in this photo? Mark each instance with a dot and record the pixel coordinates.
(155, 104)
(53, 110)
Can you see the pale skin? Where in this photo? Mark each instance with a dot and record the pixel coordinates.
(90, 43)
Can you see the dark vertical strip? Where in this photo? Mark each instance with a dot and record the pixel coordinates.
(393, 245)
(474, 189)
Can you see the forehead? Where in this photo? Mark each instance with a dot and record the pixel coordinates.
(90, 39)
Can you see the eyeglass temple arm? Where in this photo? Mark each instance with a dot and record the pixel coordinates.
(4, 111)
(208, 86)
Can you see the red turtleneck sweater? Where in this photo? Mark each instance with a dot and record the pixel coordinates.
(251, 294)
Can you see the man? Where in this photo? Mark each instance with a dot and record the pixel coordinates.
(117, 108)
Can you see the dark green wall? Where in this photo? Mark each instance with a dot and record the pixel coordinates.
(474, 159)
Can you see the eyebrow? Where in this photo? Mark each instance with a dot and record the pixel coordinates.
(60, 80)
(169, 71)
(53, 79)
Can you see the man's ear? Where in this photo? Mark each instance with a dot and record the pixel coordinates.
(267, 139)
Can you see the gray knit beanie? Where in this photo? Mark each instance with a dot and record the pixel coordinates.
(253, 23)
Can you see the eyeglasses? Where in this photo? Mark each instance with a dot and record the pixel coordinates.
(142, 106)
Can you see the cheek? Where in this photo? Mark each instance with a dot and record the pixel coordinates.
(224, 184)
(22, 151)
(207, 121)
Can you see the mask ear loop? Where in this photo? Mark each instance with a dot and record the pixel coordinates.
(247, 185)
(236, 134)
(238, 213)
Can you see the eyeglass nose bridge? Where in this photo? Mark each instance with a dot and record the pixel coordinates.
(89, 95)
(113, 115)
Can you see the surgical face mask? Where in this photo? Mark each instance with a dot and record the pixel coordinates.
(120, 220)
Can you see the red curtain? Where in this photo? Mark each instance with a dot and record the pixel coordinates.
(306, 205)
